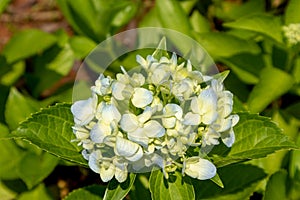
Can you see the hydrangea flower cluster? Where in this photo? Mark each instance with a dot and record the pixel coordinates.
(292, 33)
(150, 118)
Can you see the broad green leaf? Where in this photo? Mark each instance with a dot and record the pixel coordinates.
(239, 183)
(27, 43)
(35, 168)
(292, 14)
(18, 108)
(95, 19)
(116, 190)
(225, 45)
(3, 4)
(276, 187)
(17, 70)
(4, 131)
(125, 14)
(63, 61)
(246, 66)
(199, 23)
(40, 192)
(294, 110)
(269, 88)
(172, 16)
(140, 189)
(228, 10)
(256, 137)
(81, 46)
(150, 19)
(263, 24)
(6, 193)
(51, 130)
(92, 192)
(10, 158)
(176, 187)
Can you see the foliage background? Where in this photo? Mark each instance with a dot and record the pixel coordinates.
(44, 42)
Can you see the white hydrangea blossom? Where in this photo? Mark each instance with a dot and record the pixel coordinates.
(292, 33)
(169, 108)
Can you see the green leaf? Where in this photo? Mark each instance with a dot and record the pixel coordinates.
(92, 192)
(18, 108)
(16, 71)
(276, 186)
(199, 23)
(51, 130)
(294, 110)
(82, 46)
(172, 16)
(269, 88)
(292, 14)
(10, 158)
(140, 189)
(40, 192)
(239, 183)
(225, 45)
(256, 137)
(35, 168)
(63, 61)
(176, 187)
(27, 43)
(3, 4)
(263, 24)
(116, 190)
(7, 193)
(246, 66)
(228, 10)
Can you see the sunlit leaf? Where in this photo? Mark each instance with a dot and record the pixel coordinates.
(27, 43)
(256, 137)
(40, 192)
(92, 192)
(51, 130)
(116, 190)
(225, 45)
(176, 187)
(35, 168)
(276, 187)
(272, 84)
(18, 108)
(239, 183)
(292, 12)
(263, 24)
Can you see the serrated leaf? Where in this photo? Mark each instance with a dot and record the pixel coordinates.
(40, 192)
(269, 88)
(92, 192)
(230, 45)
(292, 12)
(276, 186)
(260, 23)
(236, 179)
(116, 190)
(176, 187)
(27, 43)
(51, 130)
(18, 108)
(256, 137)
(34, 168)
